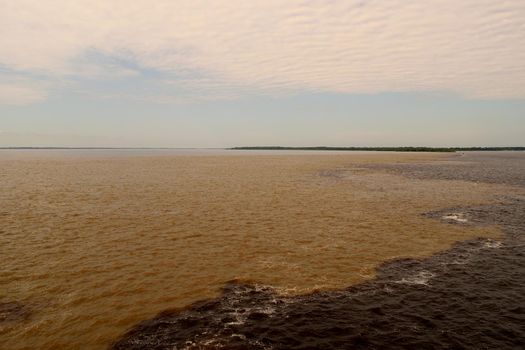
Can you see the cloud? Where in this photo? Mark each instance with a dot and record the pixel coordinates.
(474, 48)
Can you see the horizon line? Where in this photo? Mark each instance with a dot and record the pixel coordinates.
(247, 148)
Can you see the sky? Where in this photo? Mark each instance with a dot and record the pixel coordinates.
(231, 73)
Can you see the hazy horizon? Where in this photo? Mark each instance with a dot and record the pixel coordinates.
(249, 147)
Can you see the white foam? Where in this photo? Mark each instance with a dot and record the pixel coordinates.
(236, 335)
(238, 316)
(492, 244)
(460, 261)
(458, 217)
(422, 278)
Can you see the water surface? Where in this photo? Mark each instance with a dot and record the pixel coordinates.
(94, 242)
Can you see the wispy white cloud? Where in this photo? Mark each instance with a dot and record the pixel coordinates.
(475, 48)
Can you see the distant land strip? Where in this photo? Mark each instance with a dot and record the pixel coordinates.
(384, 149)
(284, 148)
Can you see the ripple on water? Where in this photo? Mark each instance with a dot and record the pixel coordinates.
(425, 303)
(102, 243)
(471, 296)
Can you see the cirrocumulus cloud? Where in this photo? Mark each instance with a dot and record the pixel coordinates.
(222, 49)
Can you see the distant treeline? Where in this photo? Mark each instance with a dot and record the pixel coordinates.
(387, 149)
(278, 148)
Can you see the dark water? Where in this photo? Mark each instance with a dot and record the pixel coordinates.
(471, 296)
(13, 311)
(490, 167)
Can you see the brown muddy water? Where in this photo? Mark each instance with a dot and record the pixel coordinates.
(93, 243)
